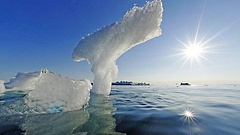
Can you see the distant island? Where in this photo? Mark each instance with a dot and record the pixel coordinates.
(185, 83)
(129, 83)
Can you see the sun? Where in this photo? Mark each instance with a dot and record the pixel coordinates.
(193, 51)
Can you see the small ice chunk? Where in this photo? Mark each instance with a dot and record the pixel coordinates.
(56, 93)
(51, 92)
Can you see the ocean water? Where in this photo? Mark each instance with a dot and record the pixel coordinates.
(135, 110)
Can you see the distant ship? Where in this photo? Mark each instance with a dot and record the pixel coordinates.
(129, 83)
(185, 83)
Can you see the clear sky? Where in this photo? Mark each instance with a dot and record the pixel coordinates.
(43, 33)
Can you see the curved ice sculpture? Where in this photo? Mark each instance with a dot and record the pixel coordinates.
(105, 46)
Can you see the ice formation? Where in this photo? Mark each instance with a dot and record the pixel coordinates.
(23, 81)
(105, 46)
(2, 87)
(51, 92)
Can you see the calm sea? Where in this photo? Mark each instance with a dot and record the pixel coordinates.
(136, 110)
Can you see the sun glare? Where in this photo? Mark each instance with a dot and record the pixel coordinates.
(193, 51)
(189, 118)
(188, 114)
(195, 48)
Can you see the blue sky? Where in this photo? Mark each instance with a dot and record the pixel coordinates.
(42, 34)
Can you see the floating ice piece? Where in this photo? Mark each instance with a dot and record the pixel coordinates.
(105, 46)
(51, 93)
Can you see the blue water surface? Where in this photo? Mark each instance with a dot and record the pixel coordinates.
(160, 110)
(136, 110)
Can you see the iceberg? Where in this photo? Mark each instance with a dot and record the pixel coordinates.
(50, 92)
(2, 87)
(102, 48)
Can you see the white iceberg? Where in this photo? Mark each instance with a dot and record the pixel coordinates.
(105, 46)
(50, 92)
(2, 87)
